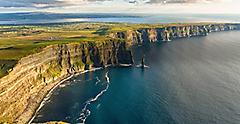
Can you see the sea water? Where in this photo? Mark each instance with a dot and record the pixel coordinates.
(47, 18)
(188, 81)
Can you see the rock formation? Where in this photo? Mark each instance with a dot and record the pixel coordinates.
(32, 78)
(147, 35)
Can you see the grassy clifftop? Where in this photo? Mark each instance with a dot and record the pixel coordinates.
(71, 48)
(19, 41)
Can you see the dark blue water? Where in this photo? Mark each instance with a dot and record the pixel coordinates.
(45, 18)
(189, 81)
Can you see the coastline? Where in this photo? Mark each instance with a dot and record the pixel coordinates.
(135, 80)
(33, 79)
(58, 83)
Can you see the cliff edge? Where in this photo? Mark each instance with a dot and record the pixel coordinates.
(23, 89)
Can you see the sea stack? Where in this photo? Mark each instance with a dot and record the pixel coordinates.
(142, 63)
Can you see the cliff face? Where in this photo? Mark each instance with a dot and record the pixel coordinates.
(32, 78)
(25, 87)
(148, 35)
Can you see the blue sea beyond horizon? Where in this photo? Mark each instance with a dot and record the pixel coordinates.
(45, 18)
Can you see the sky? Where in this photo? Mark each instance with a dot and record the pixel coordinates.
(121, 6)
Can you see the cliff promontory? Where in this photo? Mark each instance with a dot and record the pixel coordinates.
(147, 35)
(23, 89)
(31, 79)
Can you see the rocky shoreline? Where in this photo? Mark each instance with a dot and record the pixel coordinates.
(55, 87)
(35, 76)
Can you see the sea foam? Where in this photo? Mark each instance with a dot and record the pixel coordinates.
(85, 112)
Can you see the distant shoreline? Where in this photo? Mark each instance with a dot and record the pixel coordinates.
(42, 18)
(53, 65)
(92, 22)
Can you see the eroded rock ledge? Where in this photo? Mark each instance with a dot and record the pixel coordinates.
(147, 35)
(34, 76)
(25, 87)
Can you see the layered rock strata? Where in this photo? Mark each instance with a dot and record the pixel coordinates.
(147, 35)
(34, 76)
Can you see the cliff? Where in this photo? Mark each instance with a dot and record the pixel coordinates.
(34, 76)
(168, 33)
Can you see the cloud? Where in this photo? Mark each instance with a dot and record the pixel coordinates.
(176, 1)
(171, 1)
(62, 3)
(121, 6)
(148, 6)
(32, 3)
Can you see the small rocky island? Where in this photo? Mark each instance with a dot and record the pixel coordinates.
(40, 57)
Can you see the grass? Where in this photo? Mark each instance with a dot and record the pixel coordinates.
(19, 41)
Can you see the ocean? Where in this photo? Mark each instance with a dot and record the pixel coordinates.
(46, 18)
(186, 81)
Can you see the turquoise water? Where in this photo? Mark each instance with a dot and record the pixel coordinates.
(189, 81)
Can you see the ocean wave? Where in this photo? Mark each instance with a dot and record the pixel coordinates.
(140, 65)
(45, 100)
(85, 112)
(98, 106)
(66, 80)
(98, 81)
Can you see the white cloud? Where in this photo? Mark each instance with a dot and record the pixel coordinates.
(134, 6)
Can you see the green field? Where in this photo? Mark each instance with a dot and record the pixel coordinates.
(19, 41)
